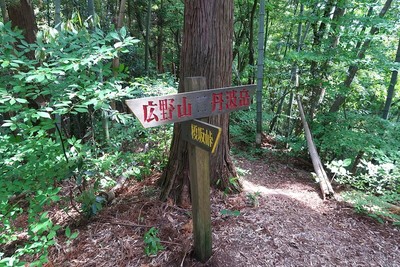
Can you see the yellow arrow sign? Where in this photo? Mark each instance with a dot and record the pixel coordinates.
(201, 134)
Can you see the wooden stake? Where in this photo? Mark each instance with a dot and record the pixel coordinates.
(324, 183)
(199, 167)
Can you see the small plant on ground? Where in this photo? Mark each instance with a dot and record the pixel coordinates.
(252, 198)
(230, 212)
(70, 235)
(152, 242)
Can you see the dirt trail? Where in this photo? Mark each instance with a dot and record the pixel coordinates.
(294, 227)
(287, 225)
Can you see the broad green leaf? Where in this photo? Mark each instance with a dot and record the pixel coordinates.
(21, 100)
(118, 44)
(81, 110)
(7, 124)
(5, 63)
(74, 235)
(346, 162)
(115, 35)
(44, 114)
(51, 235)
(67, 232)
(123, 32)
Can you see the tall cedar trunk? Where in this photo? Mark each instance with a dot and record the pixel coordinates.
(392, 84)
(160, 37)
(351, 73)
(4, 10)
(57, 14)
(147, 39)
(206, 51)
(22, 16)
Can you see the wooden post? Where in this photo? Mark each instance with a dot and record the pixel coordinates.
(199, 167)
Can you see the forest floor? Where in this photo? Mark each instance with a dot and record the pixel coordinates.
(282, 222)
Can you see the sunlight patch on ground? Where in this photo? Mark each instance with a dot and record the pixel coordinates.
(299, 196)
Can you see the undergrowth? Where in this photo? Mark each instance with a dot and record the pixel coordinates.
(64, 135)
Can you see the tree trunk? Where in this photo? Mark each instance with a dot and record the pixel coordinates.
(340, 99)
(147, 39)
(22, 16)
(266, 35)
(392, 84)
(4, 11)
(317, 90)
(278, 111)
(57, 14)
(160, 37)
(91, 13)
(295, 77)
(206, 51)
(251, 41)
(260, 73)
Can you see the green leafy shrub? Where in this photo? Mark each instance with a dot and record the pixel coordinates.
(69, 83)
(152, 242)
(339, 136)
(242, 127)
(360, 150)
(69, 80)
(377, 207)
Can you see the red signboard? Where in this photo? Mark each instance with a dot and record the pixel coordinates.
(159, 110)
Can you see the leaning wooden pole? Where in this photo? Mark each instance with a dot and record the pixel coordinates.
(324, 183)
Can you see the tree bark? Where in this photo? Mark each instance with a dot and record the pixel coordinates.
(147, 39)
(260, 73)
(160, 37)
(206, 51)
(393, 81)
(57, 14)
(340, 99)
(251, 41)
(295, 77)
(3, 8)
(91, 11)
(22, 16)
(317, 90)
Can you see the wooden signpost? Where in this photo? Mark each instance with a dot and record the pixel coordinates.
(159, 110)
(202, 139)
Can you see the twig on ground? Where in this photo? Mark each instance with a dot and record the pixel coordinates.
(171, 243)
(131, 224)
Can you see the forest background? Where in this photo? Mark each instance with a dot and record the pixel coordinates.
(64, 76)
